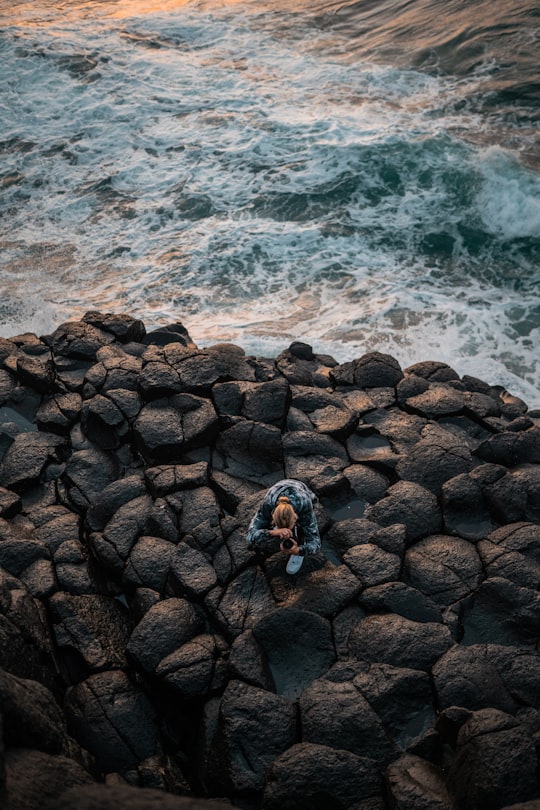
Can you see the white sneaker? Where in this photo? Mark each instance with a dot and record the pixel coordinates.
(295, 563)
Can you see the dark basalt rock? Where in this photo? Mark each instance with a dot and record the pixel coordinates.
(113, 720)
(495, 762)
(143, 643)
(310, 776)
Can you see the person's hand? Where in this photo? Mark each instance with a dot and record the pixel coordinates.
(283, 534)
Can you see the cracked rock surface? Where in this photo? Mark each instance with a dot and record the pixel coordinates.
(148, 658)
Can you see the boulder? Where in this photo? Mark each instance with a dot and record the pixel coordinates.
(113, 720)
(196, 669)
(436, 458)
(253, 728)
(414, 784)
(495, 762)
(324, 590)
(298, 647)
(36, 780)
(244, 601)
(488, 675)
(315, 777)
(87, 474)
(501, 612)
(26, 458)
(372, 565)
(125, 328)
(59, 413)
(372, 370)
(444, 568)
(409, 504)
(166, 428)
(190, 574)
(513, 552)
(400, 598)
(78, 340)
(31, 717)
(335, 714)
(164, 628)
(148, 563)
(394, 640)
(92, 626)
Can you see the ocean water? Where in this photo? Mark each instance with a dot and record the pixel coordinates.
(360, 176)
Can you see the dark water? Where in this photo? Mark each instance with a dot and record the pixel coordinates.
(357, 175)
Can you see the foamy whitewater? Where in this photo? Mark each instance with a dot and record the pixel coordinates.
(267, 176)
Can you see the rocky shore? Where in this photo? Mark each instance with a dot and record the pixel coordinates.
(148, 659)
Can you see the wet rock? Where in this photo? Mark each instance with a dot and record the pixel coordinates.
(495, 763)
(165, 428)
(35, 779)
(300, 366)
(298, 647)
(409, 504)
(309, 776)
(113, 720)
(391, 639)
(369, 447)
(254, 727)
(316, 459)
(444, 568)
(163, 629)
(414, 784)
(366, 482)
(373, 370)
(337, 715)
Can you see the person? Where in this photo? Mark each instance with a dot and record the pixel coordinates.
(286, 516)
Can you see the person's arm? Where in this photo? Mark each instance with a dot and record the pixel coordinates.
(260, 525)
(311, 541)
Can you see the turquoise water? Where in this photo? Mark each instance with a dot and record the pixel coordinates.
(361, 177)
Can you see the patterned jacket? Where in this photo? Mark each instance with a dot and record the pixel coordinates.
(302, 500)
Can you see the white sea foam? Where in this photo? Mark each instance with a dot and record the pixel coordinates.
(197, 166)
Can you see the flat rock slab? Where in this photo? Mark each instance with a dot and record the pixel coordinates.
(398, 641)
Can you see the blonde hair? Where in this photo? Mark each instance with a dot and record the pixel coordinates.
(284, 516)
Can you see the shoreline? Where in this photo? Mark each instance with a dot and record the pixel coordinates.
(151, 650)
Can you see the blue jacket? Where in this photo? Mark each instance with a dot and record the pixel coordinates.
(302, 500)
